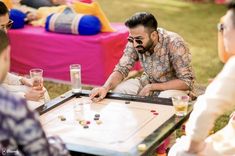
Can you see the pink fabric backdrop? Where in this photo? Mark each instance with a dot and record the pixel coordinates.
(33, 47)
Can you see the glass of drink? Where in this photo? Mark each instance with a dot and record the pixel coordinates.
(36, 75)
(180, 104)
(75, 76)
(78, 111)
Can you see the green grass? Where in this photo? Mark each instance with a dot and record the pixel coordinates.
(221, 121)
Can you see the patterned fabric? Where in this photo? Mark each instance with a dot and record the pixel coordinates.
(65, 22)
(69, 22)
(171, 60)
(20, 127)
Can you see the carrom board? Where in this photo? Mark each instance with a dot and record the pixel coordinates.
(124, 123)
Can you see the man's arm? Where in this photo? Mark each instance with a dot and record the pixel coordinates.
(180, 57)
(121, 71)
(32, 93)
(99, 93)
(218, 98)
(114, 79)
(172, 84)
(12, 79)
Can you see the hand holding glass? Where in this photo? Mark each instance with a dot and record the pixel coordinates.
(37, 77)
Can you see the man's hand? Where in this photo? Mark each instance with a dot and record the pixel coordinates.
(98, 94)
(146, 91)
(26, 82)
(31, 16)
(35, 93)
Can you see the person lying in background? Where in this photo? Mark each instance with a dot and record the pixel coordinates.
(218, 99)
(29, 7)
(37, 17)
(19, 85)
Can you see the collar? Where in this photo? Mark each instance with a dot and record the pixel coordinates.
(160, 32)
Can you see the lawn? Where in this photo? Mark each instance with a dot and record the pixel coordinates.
(195, 22)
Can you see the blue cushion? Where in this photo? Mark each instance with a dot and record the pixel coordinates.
(18, 18)
(89, 25)
(70, 22)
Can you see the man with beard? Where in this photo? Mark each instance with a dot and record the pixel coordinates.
(163, 55)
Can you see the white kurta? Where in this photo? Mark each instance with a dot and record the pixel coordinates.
(218, 98)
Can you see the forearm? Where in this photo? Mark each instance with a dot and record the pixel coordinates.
(12, 79)
(206, 111)
(114, 79)
(176, 84)
(218, 98)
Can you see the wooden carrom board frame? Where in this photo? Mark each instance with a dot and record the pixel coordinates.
(152, 140)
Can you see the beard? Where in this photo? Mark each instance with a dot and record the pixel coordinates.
(143, 49)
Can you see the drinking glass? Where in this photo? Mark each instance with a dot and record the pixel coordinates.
(75, 76)
(180, 104)
(36, 76)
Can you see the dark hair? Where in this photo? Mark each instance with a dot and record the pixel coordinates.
(3, 9)
(231, 6)
(4, 42)
(142, 18)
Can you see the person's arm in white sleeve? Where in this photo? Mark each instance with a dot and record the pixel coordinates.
(218, 98)
(12, 79)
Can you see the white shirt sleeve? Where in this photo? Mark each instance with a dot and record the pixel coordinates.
(12, 79)
(218, 98)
